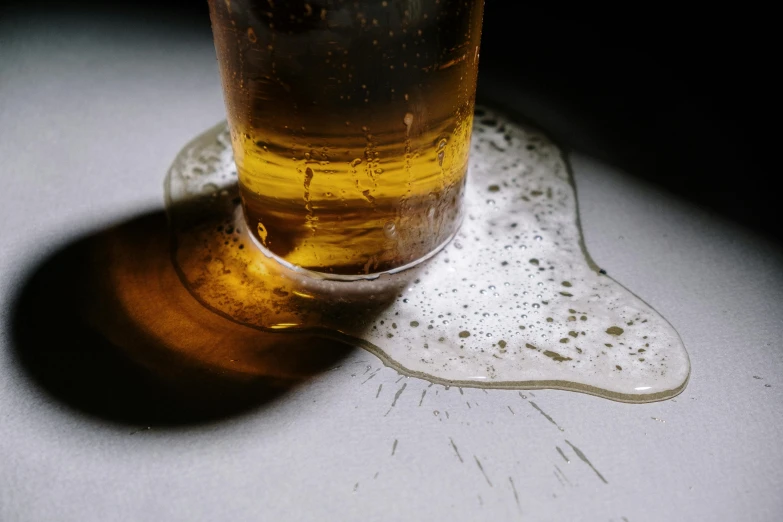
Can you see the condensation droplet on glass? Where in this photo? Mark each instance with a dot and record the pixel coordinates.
(441, 151)
(390, 229)
(408, 121)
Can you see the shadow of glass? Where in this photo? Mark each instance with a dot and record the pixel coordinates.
(106, 326)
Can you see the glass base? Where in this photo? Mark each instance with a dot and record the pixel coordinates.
(513, 301)
(239, 221)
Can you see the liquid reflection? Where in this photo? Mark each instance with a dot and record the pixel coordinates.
(106, 326)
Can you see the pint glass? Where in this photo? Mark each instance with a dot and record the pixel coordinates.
(350, 125)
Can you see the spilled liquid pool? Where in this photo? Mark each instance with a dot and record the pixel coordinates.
(514, 301)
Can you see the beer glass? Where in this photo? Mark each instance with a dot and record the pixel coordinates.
(350, 124)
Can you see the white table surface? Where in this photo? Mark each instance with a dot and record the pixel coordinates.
(91, 117)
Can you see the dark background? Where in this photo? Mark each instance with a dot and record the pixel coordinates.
(680, 98)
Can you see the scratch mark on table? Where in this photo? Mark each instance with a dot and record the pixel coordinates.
(562, 475)
(478, 463)
(562, 454)
(396, 396)
(542, 412)
(584, 459)
(456, 450)
(373, 374)
(516, 495)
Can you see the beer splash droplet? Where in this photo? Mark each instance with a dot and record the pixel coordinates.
(535, 214)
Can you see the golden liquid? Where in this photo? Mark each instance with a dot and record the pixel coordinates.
(350, 124)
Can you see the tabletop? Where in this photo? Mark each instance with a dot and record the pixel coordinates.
(91, 117)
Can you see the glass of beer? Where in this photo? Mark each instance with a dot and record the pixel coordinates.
(350, 124)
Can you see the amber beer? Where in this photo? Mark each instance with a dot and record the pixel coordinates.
(350, 123)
